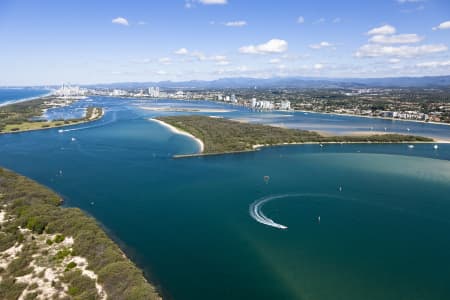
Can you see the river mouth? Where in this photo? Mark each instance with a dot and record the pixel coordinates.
(187, 222)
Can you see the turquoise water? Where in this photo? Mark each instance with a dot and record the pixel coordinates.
(187, 223)
(10, 95)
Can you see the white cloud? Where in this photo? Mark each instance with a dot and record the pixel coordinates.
(236, 24)
(394, 60)
(375, 50)
(120, 21)
(223, 63)
(161, 72)
(142, 23)
(382, 30)
(434, 64)
(443, 25)
(219, 58)
(272, 46)
(213, 2)
(337, 20)
(396, 39)
(320, 45)
(318, 66)
(199, 55)
(301, 20)
(182, 51)
(275, 61)
(165, 60)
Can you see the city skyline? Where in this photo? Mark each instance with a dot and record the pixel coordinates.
(86, 43)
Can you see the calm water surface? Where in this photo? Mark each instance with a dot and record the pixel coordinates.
(10, 95)
(384, 209)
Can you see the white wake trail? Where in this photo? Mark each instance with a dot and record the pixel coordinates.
(258, 215)
(256, 212)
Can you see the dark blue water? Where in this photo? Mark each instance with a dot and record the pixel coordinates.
(11, 95)
(384, 209)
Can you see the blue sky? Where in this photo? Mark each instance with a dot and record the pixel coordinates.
(50, 42)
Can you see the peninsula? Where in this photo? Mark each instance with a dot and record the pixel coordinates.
(220, 135)
(25, 116)
(51, 252)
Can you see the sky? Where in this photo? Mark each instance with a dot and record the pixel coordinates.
(49, 42)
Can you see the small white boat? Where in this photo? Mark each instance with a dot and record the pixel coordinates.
(60, 131)
(73, 139)
(410, 146)
(340, 189)
(436, 147)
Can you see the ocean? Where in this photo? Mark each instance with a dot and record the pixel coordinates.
(11, 95)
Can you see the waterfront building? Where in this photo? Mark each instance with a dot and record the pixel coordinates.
(285, 105)
(154, 92)
(68, 91)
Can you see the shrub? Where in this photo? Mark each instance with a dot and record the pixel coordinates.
(70, 266)
(59, 238)
(61, 254)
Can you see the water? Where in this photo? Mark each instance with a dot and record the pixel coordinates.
(187, 223)
(11, 95)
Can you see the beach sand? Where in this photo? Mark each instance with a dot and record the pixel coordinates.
(178, 131)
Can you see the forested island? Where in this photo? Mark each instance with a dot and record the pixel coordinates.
(25, 116)
(221, 135)
(51, 252)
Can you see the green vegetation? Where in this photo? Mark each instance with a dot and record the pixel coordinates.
(23, 116)
(221, 135)
(80, 287)
(30, 205)
(70, 266)
(59, 238)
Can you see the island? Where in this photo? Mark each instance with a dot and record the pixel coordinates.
(53, 252)
(25, 116)
(221, 136)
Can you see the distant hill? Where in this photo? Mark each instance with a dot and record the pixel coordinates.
(290, 82)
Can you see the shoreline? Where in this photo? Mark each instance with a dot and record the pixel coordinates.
(185, 109)
(10, 102)
(70, 228)
(259, 147)
(176, 130)
(84, 121)
(369, 117)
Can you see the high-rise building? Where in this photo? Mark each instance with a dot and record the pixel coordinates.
(285, 105)
(154, 92)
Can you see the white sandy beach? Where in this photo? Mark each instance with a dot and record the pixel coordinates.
(178, 131)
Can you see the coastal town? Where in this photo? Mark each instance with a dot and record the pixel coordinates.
(425, 105)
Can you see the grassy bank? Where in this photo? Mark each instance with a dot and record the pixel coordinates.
(19, 117)
(50, 252)
(220, 135)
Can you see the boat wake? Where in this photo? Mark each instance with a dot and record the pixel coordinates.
(256, 212)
